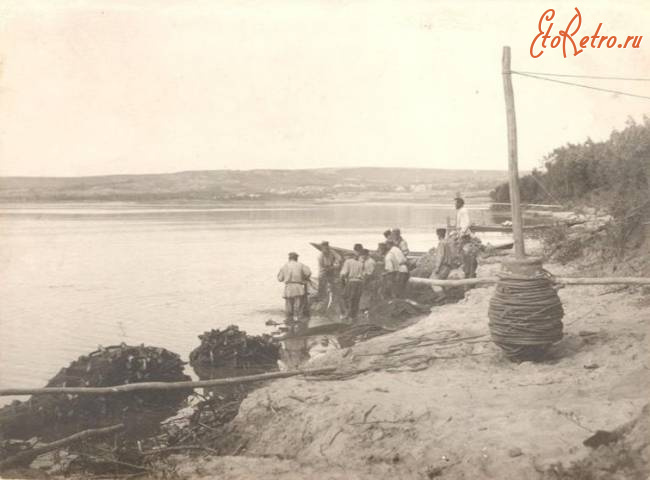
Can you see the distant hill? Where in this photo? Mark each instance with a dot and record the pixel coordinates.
(248, 184)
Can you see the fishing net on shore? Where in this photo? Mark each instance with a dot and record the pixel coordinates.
(395, 312)
(233, 348)
(360, 333)
(52, 416)
(424, 265)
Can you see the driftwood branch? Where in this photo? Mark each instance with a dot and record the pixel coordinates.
(29, 455)
(556, 280)
(132, 387)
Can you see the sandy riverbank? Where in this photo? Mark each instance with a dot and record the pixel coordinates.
(446, 403)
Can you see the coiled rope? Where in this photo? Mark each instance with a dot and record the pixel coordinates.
(525, 315)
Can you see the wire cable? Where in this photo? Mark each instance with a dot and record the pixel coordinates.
(618, 92)
(595, 77)
(525, 315)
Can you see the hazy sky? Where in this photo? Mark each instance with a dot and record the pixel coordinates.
(108, 86)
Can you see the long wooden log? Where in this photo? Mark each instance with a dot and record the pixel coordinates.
(528, 228)
(132, 387)
(555, 205)
(453, 283)
(603, 281)
(557, 280)
(29, 455)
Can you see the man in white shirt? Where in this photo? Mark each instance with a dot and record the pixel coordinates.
(398, 240)
(396, 270)
(465, 244)
(462, 217)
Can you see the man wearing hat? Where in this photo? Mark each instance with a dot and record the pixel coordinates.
(352, 280)
(465, 244)
(443, 262)
(399, 241)
(295, 276)
(370, 283)
(462, 217)
(329, 263)
(396, 272)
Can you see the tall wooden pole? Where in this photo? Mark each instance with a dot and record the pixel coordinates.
(513, 170)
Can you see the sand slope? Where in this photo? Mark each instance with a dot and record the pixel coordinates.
(440, 406)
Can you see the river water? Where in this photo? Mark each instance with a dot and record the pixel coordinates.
(77, 276)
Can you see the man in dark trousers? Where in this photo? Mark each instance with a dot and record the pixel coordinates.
(465, 238)
(329, 263)
(352, 280)
(443, 262)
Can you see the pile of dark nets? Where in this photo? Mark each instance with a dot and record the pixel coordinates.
(233, 348)
(52, 416)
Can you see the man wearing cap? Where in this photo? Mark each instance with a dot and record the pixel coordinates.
(462, 217)
(399, 241)
(295, 276)
(329, 263)
(443, 262)
(370, 284)
(352, 280)
(397, 273)
(369, 265)
(465, 245)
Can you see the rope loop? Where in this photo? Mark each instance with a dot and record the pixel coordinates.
(525, 314)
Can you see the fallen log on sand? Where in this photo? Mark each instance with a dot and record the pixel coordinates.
(28, 455)
(557, 280)
(132, 387)
(603, 281)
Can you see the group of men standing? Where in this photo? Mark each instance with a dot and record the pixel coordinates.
(343, 282)
(352, 284)
(394, 251)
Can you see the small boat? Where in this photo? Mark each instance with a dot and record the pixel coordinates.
(346, 252)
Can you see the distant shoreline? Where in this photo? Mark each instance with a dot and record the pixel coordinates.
(320, 185)
(441, 201)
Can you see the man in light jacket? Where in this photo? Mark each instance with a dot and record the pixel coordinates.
(352, 280)
(295, 276)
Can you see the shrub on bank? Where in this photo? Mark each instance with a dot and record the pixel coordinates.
(613, 175)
